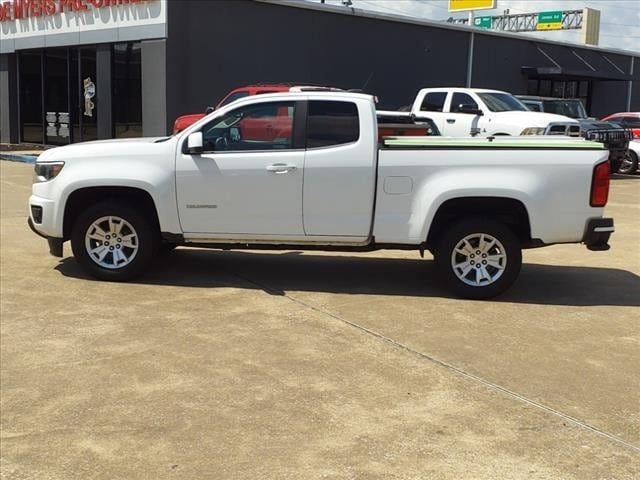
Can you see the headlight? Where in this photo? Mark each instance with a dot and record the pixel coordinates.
(47, 171)
(533, 131)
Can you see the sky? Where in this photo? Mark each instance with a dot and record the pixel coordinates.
(619, 19)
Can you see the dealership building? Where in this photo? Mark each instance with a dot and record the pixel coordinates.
(78, 70)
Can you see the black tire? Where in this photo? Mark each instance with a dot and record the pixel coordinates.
(615, 165)
(477, 225)
(630, 163)
(147, 238)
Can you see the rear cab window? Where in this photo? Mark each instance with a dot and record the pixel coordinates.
(331, 123)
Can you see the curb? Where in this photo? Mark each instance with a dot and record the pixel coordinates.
(18, 157)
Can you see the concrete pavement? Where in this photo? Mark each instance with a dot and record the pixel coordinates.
(313, 365)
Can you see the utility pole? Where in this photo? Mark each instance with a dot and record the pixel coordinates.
(470, 57)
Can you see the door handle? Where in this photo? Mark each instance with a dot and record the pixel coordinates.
(451, 120)
(279, 168)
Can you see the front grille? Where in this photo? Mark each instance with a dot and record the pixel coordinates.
(612, 138)
(36, 213)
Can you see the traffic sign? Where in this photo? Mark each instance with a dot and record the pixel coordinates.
(549, 21)
(482, 22)
(465, 5)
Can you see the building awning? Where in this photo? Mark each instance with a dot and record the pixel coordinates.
(564, 63)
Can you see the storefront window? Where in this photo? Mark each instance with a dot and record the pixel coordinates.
(545, 88)
(58, 102)
(558, 89)
(74, 92)
(31, 97)
(88, 100)
(571, 90)
(127, 90)
(56, 97)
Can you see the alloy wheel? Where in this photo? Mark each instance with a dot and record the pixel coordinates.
(111, 242)
(479, 259)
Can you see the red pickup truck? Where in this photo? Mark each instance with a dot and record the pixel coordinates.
(266, 124)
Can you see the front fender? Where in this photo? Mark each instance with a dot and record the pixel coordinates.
(155, 180)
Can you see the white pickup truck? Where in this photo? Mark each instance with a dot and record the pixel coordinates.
(465, 112)
(308, 171)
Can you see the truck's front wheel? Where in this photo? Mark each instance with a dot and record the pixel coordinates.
(112, 241)
(629, 163)
(478, 258)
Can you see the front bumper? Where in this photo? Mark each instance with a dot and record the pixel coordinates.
(597, 233)
(45, 215)
(55, 244)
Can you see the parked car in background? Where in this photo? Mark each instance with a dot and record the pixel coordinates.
(464, 112)
(401, 124)
(634, 154)
(614, 137)
(569, 107)
(630, 120)
(184, 121)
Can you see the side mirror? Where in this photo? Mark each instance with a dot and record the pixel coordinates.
(195, 143)
(470, 109)
(208, 110)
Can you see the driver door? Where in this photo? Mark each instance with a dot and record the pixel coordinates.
(247, 183)
(458, 124)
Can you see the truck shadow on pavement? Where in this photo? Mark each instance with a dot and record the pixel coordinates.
(279, 273)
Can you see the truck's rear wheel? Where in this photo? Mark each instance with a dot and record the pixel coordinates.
(478, 258)
(112, 241)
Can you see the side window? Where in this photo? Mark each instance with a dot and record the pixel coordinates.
(233, 97)
(332, 123)
(433, 102)
(460, 99)
(265, 126)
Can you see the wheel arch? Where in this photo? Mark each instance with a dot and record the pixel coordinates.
(510, 211)
(83, 197)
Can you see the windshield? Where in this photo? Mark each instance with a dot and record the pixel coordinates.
(568, 108)
(233, 97)
(533, 106)
(502, 102)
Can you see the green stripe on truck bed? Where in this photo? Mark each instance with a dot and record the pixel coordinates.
(501, 142)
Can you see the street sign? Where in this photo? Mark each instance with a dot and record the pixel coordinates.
(549, 21)
(465, 5)
(482, 22)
